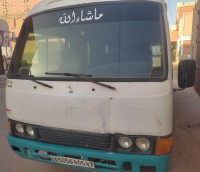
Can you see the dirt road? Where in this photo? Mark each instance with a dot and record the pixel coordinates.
(186, 132)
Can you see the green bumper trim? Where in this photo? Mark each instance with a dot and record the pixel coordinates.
(29, 149)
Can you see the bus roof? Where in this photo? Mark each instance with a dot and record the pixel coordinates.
(51, 4)
(3, 25)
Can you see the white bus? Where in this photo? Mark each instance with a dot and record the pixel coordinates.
(5, 44)
(90, 86)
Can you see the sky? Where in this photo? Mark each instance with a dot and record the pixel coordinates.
(171, 6)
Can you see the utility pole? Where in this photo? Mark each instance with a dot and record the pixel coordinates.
(1, 63)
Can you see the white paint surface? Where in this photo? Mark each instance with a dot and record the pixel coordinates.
(134, 108)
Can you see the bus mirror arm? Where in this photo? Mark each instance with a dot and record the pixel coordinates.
(178, 89)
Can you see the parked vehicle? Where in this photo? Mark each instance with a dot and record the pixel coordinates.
(90, 86)
(5, 44)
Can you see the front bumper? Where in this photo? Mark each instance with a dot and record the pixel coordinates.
(32, 150)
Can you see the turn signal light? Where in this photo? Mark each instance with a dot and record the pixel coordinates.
(9, 127)
(163, 146)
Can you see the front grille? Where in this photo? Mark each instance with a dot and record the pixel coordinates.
(107, 142)
(77, 139)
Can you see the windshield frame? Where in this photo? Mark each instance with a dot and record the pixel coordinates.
(19, 46)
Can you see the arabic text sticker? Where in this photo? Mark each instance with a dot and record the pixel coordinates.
(73, 17)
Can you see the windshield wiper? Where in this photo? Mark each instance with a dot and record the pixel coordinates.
(41, 83)
(69, 74)
(31, 77)
(79, 76)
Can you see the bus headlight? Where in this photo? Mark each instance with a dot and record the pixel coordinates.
(19, 128)
(125, 142)
(142, 144)
(29, 130)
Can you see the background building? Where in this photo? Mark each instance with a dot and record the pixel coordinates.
(173, 38)
(14, 12)
(181, 32)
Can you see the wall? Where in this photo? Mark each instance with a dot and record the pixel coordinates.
(196, 44)
(174, 33)
(188, 24)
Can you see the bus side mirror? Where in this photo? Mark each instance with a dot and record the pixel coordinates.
(186, 73)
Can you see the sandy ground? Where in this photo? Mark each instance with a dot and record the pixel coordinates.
(186, 132)
(186, 135)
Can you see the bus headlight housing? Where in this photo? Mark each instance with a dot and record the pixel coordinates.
(19, 128)
(125, 142)
(30, 130)
(143, 144)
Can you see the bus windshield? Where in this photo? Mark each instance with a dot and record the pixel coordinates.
(123, 40)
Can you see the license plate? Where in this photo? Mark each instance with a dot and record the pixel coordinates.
(72, 161)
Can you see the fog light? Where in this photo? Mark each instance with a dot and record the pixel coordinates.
(125, 142)
(29, 130)
(19, 128)
(142, 144)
